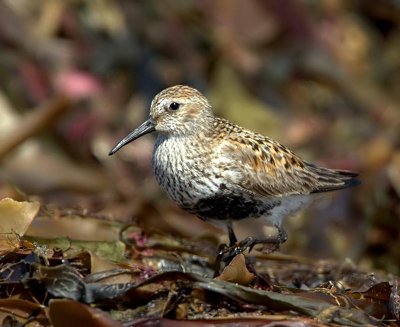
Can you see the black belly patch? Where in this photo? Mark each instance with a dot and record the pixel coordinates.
(230, 207)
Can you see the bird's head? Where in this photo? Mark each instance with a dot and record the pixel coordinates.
(176, 111)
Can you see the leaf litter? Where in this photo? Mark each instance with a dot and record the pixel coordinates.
(135, 277)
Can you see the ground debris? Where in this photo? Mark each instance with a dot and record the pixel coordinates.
(159, 277)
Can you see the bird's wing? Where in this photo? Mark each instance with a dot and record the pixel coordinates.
(265, 167)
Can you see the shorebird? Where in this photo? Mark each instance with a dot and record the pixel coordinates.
(222, 172)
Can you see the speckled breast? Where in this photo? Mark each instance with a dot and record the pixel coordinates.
(183, 171)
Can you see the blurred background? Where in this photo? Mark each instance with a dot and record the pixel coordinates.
(322, 77)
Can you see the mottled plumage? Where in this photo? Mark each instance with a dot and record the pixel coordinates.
(222, 172)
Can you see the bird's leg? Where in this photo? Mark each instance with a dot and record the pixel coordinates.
(227, 253)
(232, 236)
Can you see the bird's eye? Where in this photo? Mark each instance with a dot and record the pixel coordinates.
(174, 106)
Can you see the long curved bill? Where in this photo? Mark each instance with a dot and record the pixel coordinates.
(147, 127)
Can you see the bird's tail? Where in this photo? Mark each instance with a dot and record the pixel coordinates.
(332, 179)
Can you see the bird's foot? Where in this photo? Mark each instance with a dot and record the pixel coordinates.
(227, 253)
(270, 244)
(250, 242)
(282, 235)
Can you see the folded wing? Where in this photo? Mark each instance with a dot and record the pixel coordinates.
(267, 168)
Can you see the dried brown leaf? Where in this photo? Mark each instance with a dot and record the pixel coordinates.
(237, 272)
(15, 218)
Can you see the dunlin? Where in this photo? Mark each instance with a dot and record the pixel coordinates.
(222, 172)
